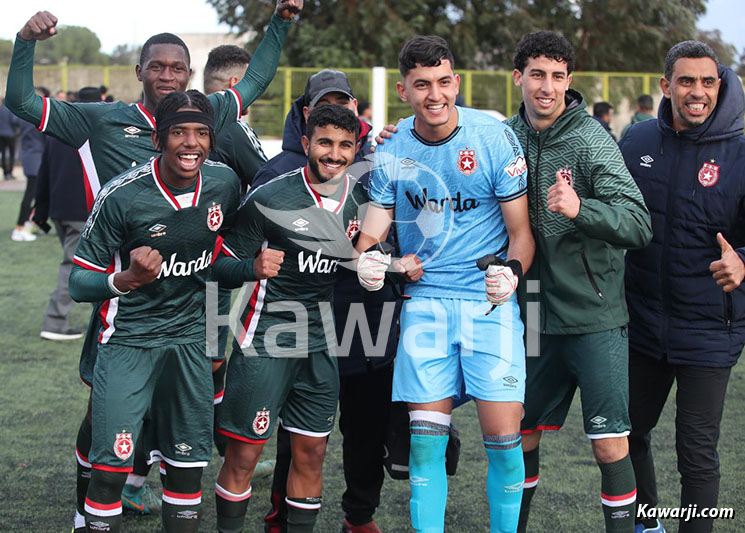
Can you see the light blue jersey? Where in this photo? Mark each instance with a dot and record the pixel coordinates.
(446, 198)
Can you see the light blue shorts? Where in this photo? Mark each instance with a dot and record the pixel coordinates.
(446, 342)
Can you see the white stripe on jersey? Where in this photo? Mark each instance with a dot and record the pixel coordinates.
(113, 307)
(89, 167)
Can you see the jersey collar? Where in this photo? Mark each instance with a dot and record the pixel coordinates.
(329, 204)
(146, 115)
(181, 201)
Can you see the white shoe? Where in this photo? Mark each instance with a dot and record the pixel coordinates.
(20, 235)
(30, 227)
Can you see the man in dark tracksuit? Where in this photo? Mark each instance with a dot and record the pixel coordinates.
(686, 305)
(365, 394)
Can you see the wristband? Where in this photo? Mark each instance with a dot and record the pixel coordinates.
(113, 288)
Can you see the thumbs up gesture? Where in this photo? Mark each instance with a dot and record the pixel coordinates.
(729, 270)
(562, 199)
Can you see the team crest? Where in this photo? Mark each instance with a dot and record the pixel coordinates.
(353, 228)
(566, 175)
(123, 446)
(467, 162)
(261, 422)
(214, 217)
(708, 175)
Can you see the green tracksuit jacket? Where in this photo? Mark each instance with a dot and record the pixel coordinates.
(580, 262)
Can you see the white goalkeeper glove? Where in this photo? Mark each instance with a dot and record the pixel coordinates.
(371, 269)
(501, 282)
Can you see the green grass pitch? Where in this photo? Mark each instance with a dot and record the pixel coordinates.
(42, 402)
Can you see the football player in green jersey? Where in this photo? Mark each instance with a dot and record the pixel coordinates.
(115, 136)
(146, 251)
(301, 224)
(237, 144)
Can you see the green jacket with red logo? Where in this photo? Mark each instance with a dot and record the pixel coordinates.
(580, 262)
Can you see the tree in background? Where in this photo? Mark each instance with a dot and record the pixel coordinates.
(615, 35)
(76, 43)
(125, 54)
(726, 52)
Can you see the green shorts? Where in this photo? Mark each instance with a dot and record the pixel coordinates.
(299, 393)
(173, 382)
(597, 363)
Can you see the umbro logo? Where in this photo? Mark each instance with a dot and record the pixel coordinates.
(646, 161)
(418, 481)
(182, 447)
(187, 515)
(619, 515)
(510, 381)
(517, 487)
(132, 131)
(301, 224)
(599, 421)
(407, 164)
(99, 526)
(156, 230)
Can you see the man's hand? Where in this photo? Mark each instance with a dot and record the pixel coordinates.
(144, 268)
(411, 266)
(562, 198)
(501, 282)
(268, 263)
(40, 27)
(387, 133)
(729, 270)
(288, 10)
(371, 269)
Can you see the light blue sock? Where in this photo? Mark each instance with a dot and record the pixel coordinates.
(429, 486)
(504, 481)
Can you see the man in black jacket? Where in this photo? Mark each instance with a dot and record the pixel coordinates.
(365, 369)
(686, 305)
(60, 196)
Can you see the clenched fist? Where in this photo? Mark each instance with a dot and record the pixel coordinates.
(40, 27)
(144, 268)
(268, 263)
(287, 10)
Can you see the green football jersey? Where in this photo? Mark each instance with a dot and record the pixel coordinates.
(138, 209)
(113, 137)
(290, 315)
(240, 149)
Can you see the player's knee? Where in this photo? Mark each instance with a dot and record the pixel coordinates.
(309, 455)
(183, 480)
(610, 450)
(106, 485)
(530, 441)
(241, 458)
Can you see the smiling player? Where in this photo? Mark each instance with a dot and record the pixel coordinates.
(145, 251)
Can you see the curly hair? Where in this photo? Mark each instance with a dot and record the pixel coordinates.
(333, 115)
(543, 43)
(176, 100)
(424, 50)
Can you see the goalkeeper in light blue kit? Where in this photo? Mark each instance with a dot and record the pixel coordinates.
(453, 181)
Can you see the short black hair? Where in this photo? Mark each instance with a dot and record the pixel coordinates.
(645, 102)
(692, 49)
(333, 115)
(222, 63)
(600, 109)
(543, 43)
(424, 50)
(174, 101)
(163, 38)
(43, 90)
